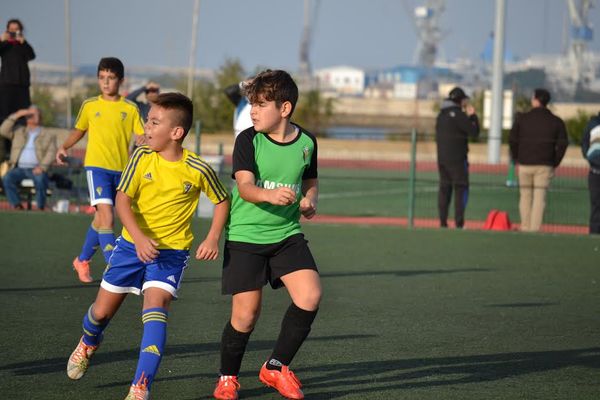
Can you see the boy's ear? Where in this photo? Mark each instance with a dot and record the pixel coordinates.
(177, 133)
(286, 109)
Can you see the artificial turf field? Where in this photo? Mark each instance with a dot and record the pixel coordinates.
(384, 193)
(422, 314)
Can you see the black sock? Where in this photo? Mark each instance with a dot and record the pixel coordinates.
(295, 327)
(233, 346)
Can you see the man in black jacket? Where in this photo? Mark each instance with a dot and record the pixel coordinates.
(455, 123)
(590, 147)
(15, 54)
(538, 142)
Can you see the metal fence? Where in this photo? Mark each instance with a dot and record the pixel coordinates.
(393, 181)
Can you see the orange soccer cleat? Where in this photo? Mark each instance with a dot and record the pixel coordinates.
(286, 383)
(227, 388)
(83, 270)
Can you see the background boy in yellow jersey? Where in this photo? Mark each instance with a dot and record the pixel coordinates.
(156, 200)
(109, 120)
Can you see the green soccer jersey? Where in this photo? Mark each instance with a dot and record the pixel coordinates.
(274, 165)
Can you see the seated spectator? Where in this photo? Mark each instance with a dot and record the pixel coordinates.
(32, 151)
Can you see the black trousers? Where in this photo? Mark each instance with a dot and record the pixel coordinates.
(12, 98)
(594, 186)
(453, 176)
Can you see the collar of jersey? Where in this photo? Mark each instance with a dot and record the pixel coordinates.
(270, 139)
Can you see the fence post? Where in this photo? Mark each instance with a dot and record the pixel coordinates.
(411, 178)
(198, 125)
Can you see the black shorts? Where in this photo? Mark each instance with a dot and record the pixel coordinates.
(249, 266)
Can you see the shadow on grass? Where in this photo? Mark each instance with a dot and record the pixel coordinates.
(189, 281)
(93, 285)
(52, 365)
(364, 378)
(406, 273)
(372, 377)
(523, 305)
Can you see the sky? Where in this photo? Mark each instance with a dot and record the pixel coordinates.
(267, 33)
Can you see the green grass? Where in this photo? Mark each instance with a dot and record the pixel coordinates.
(423, 314)
(385, 194)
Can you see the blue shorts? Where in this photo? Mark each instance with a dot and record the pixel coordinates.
(102, 185)
(125, 273)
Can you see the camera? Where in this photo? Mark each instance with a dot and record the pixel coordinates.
(12, 35)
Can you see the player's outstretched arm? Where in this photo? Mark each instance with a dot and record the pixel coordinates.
(145, 247)
(281, 196)
(74, 137)
(308, 203)
(209, 248)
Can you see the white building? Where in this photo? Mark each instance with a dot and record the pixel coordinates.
(342, 80)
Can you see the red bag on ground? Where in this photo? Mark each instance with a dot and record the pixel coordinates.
(497, 221)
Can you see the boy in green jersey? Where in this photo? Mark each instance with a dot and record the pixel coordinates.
(275, 169)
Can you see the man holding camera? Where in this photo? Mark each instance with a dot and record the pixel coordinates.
(15, 53)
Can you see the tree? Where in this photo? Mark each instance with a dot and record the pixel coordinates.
(211, 106)
(41, 96)
(314, 111)
(576, 126)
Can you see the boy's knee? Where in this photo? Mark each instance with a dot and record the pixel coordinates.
(244, 321)
(100, 315)
(309, 301)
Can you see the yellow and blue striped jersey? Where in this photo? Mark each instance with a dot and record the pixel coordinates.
(109, 125)
(164, 195)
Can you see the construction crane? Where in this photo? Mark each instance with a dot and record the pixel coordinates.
(305, 68)
(427, 26)
(581, 35)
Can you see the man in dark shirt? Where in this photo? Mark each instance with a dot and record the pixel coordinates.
(538, 142)
(455, 123)
(15, 53)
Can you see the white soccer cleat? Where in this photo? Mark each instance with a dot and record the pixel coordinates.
(80, 360)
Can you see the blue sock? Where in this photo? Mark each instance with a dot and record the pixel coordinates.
(90, 244)
(107, 242)
(92, 329)
(153, 345)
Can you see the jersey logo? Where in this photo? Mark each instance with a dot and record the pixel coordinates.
(123, 115)
(304, 153)
(97, 114)
(108, 247)
(99, 190)
(148, 176)
(171, 278)
(186, 187)
(151, 349)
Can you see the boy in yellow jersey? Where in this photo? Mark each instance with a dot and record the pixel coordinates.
(156, 199)
(109, 120)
